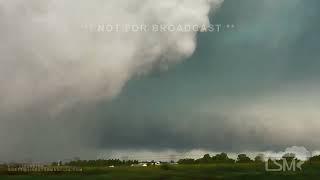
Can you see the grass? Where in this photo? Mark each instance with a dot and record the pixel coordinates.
(211, 171)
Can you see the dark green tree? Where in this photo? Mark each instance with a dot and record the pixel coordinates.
(314, 159)
(259, 158)
(222, 158)
(243, 158)
(289, 156)
(206, 159)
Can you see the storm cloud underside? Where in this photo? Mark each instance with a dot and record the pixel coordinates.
(66, 92)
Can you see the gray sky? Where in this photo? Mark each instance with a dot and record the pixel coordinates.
(251, 88)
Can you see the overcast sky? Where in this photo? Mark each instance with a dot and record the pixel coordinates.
(254, 87)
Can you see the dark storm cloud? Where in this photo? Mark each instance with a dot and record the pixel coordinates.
(51, 63)
(252, 88)
(180, 134)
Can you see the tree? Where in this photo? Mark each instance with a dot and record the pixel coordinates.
(206, 159)
(259, 158)
(315, 159)
(289, 156)
(243, 158)
(222, 158)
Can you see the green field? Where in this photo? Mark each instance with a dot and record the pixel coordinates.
(212, 171)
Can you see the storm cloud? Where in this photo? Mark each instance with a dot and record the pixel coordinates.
(250, 89)
(67, 92)
(50, 63)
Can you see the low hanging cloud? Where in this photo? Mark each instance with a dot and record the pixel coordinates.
(50, 63)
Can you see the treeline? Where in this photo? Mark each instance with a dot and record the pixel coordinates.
(206, 159)
(242, 158)
(314, 159)
(101, 162)
(220, 158)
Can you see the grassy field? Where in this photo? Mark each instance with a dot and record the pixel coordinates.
(212, 171)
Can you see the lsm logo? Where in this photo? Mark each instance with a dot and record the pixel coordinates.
(283, 164)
